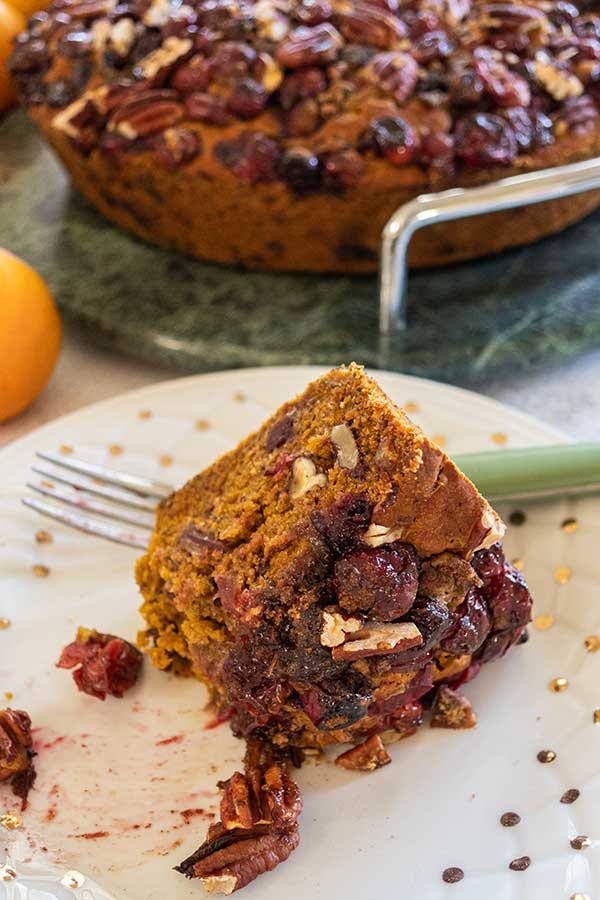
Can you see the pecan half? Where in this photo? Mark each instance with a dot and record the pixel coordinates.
(452, 710)
(366, 23)
(258, 830)
(365, 757)
(375, 639)
(16, 751)
(310, 47)
(146, 114)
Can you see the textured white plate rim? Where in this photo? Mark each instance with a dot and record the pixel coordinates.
(159, 387)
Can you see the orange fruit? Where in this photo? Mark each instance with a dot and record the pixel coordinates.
(11, 23)
(30, 334)
(28, 7)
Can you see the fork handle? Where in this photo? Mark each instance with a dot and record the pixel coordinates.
(534, 471)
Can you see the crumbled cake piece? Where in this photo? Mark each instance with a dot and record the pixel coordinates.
(102, 663)
(320, 586)
(16, 752)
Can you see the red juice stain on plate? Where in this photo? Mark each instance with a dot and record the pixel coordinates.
(176, 739)
(219, 719)
(91, 835)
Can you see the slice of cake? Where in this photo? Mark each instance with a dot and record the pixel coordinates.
(324, 579)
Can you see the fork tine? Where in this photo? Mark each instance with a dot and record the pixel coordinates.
(84, 482)
(89, 524)
(134, 482)
(89, 503)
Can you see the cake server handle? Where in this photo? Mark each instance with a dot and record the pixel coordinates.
(427, 209)
(534, 472)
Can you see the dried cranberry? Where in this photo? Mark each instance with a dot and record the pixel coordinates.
(380, 581)
(342, 168)
(472, 626)
(503, 86)
(397, 73)
(484, 139)
(105, 664)
(207, 108)
(342, 524)
(304, 118)
(431, 46)
(489, 565)
(194, 75)
(309, 47)
(248, 99)
(252, 156)
(232, 60)
(465, 87)
(301, 169)
(511, 605)
(313, 12)
(423, 22)
(199, 542)
(433, 619)
(301, 85)
(280, 432)
(337, 703)
(391, 137)
(579, 113)
(60, 93)
(28, 55)
(495, 646)
(437, 149)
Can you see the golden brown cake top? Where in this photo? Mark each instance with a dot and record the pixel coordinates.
(314, 92)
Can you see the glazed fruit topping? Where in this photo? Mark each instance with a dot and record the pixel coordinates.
(252, 156)
(365, 757)
(16, 752)
(380, 581)
(484, 139)
(393, 138)
(102, 663)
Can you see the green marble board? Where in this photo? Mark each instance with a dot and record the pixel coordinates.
(468, 323)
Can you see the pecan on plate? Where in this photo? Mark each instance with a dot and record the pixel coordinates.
(258, 830)
(16, 751)
(452, 710)
(103, 664)
(365, 757)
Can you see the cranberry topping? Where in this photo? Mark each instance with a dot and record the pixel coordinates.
(252, 156)
(471, 627)
(342, 524)
(504, 87)
(433, 619)
(301, 169)
(484, 139)
(248, 99)
(511, 606)
(342, 168)
(280, 432)
(391, 137)
(103, 664)
(379, 581)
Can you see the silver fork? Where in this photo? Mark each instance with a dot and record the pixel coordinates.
(96, 499)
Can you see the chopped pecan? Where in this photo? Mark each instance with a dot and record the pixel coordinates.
(365, 757)
(305, 477)
(452, 710)
(375, 639)
(257, 831)
(146, 114)
(161, 59)
(376, 535)
(103, 664)
(366, 23)
(310, 47)
(345, 444)
(557, 82)
(336, 627)
(447, 577)
(16, 751)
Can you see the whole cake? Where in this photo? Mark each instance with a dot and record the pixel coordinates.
(282, 134)
(327, 579)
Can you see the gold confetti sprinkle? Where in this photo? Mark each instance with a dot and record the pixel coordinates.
(581, 842)
(73, 879)
(4, 623)
(115, 449)
(10, 821)
(7, 873)
(48, 484)
(592, 643)
(165, 460)
(411, 407)
(562, 574)
(569, 526)
(43, 537)
(498, 437)
(40, 571)
(580, 896)
(558, 685)
(202, 425)
(145, 414)
(8, 695)
(518, 563)
(543, 622)
(546, 756)
(517, 517)
(239, 397)
(440, 439)
(597, 716)
(65, 449)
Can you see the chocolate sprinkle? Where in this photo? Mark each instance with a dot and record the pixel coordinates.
(570, 796)
(517, 517)
(520, 864)
(452, 875)
(509, 819)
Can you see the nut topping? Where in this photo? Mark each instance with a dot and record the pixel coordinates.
(122, 36)
(365, 757)
(375, 639)
(336, 627)
(452, 710)
(16, 751)
(376, 535)
(558, 83)
(344, 442)
(257, 831)
(172, 49)
(305, 477)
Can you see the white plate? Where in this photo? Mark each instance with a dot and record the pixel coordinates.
(102, 768)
